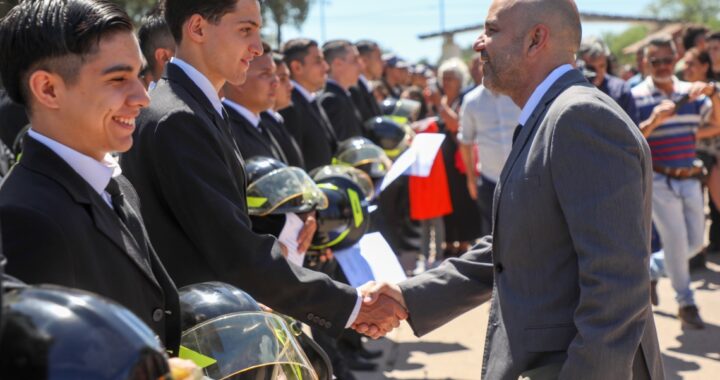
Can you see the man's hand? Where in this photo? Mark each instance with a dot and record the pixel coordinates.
(182, 369)
(663, 111)
(382, 310)
(308, 231)
(698, 89)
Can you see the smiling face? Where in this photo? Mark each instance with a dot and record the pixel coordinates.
(239, 29)
(96, 112)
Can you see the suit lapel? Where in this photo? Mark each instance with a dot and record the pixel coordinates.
(568, 79)
(39, 158)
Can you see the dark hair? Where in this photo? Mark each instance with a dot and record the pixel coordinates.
(335, 49)
(704, 58)
(297, 49)
(154, 34)
(661, 42)
(266, 48)
(278, 58)
(691, 34)
(53, 35)
(179, 11)
(366, 47)
(714, 36)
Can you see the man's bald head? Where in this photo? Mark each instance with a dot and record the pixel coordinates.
(561, 17)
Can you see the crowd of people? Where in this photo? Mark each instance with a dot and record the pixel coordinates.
(190, 151)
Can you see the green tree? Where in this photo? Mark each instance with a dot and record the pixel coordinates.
(697, 11)
(283, 12)
(618, 41)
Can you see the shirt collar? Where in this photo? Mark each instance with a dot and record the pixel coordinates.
(365, 82)
(201, 81)
(96, 173)
(540, 91)
(275, 115)
(246, 113)
(338, 84)
(650, 83)
(309, 96)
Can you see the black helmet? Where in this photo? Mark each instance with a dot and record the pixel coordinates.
(393, 137)
(275, 188)
(346, 219)
(51, 332)
(354, 174)
(363, 154)
(226, 333)
(405, 109)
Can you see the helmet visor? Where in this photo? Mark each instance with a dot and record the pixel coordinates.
(407, 108)
(356, 175)
(250, 346)
(282, 191)
(367, 156)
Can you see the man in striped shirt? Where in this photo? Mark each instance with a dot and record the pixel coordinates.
(671, 111)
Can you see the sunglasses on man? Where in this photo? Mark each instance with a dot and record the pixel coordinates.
(657, 62)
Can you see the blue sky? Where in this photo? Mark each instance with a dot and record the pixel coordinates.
(395, 24)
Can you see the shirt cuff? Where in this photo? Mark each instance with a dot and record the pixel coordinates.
(356, 310)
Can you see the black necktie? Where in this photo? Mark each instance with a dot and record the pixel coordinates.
(516, 133)
(118, 200)
(274, 144)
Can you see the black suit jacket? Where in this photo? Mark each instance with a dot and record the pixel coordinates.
(192, 181)
(285, 139)
(344, 117)
(251, 141)
(57, 229)
(311, 130)
(364, 101)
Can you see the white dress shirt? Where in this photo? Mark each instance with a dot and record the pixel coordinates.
(96, 173)
(540, 91)
(202, 82)
(309, 96)
(365, 83)
(488, 120)
(246, 113)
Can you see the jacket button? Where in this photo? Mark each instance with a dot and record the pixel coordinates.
(311, 316)
(316, 320)
(328, 324)
(158, 315)
(499, 268)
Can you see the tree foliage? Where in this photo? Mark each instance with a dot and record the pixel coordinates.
(697, 11)
(618, 41)
(284, 12)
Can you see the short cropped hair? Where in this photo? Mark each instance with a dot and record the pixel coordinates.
(335, 49)
(691, 34)
(297, 49)
(366, 47)
(713, 36)
(154, 34)
(179, 11)
(53, 35)
(278, 58)
(660, 42)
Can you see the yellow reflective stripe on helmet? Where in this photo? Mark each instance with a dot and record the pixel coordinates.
(356, 207)
(199, 359)
(392, 153)
(399, 119)
(255, 202)
(334, 242)
(328, 186)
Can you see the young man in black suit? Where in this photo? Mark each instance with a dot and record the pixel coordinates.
(372, 69)
(305, 119)
(68, 216)
(245, 102)
(344, 62)
(191, 176)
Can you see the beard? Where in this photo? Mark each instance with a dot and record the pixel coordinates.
(501, 73)
(662, 79)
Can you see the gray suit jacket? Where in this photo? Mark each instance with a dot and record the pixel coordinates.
(567, 263)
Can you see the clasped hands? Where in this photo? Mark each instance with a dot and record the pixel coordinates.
(383, 307)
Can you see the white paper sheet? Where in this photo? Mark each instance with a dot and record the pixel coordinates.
(417, 160)
(288, 236)
(370, 259)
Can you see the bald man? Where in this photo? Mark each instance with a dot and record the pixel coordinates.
(566, 266)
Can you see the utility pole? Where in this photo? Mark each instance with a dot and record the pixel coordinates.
(442, 16)
(322, 21)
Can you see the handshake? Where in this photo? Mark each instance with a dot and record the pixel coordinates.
(383, 307)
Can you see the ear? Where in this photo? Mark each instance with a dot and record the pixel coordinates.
(539, 36)
(163, 55)
(46, 88)
(295, 68)
(194, 28)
